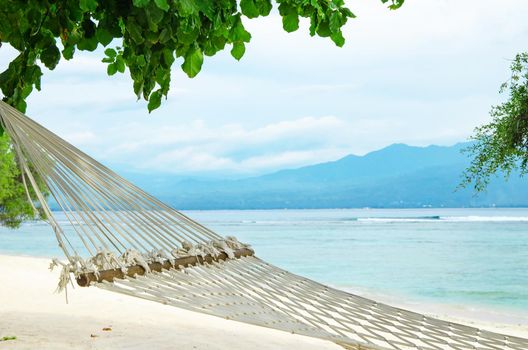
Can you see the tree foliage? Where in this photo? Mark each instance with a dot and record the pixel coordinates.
(15, 206)
(502, 144)
(151, 35)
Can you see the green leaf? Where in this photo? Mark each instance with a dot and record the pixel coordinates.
(26, 91)
(120, 63)
(88, 5)
(162, 4)
(187, 7)
(6, 81)
(323, 29)
(32, 76)
(141, 3)
(240, 33)
(154, 15)
(110, 53)
(103, 36)
(346, 12)
(167, 58)
(264, 7)
(111, 69)
(163, 79)
(219, 43)
(135, 31)
(290, 22)
(338, 38)
(88, 44)
(192, 63)
(21, 106)
(138, 87)
(148, 86)
(207, 7)
(238, 50)
(335, 22)
(313, 25)
(140, 61)
(285, 9)
(68, 52)
(154, 100)
(50, 57)
(396, 4)
(165, 36)
(249, 8)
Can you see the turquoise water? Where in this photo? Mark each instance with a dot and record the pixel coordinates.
(453, 256)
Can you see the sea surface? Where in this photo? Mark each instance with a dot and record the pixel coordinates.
(475, 257)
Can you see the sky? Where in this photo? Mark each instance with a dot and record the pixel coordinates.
(425, 74)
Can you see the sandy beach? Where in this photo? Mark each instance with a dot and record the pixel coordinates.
(41, 319)
(96, 319)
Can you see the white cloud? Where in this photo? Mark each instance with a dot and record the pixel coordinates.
(290, 159)
(199, 147)
(189, 159)
(317, 88)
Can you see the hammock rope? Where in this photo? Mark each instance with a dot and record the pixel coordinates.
(121, 239)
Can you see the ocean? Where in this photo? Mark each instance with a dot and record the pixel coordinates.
(475, 257)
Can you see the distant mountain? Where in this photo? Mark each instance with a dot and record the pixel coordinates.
(398, 176)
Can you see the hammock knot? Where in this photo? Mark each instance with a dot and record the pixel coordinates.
(234, 243)
(222, 245)
(65, 274)
(105, 259)
(159, 255)
(132, 257)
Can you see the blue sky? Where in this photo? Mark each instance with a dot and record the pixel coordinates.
(425, 74)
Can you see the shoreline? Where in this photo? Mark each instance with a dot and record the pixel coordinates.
(40, 318)
(491, 318)
(473, 312)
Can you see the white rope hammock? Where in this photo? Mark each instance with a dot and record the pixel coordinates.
(126, 241)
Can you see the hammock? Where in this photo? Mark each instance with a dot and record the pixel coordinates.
(123, 240)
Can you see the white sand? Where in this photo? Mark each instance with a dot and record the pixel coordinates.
(41, 319)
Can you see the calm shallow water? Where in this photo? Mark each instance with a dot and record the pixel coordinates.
(453, 256)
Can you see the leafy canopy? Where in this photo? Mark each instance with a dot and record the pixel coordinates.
(14, 204)
(502, 145)
(152, 34)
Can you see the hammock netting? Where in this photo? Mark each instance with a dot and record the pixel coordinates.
(118, 230)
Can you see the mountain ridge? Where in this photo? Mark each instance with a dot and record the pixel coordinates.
(397, 176)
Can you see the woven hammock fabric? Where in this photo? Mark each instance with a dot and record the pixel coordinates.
(117, 225)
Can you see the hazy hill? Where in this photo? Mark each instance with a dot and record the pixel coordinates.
(395, 176)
